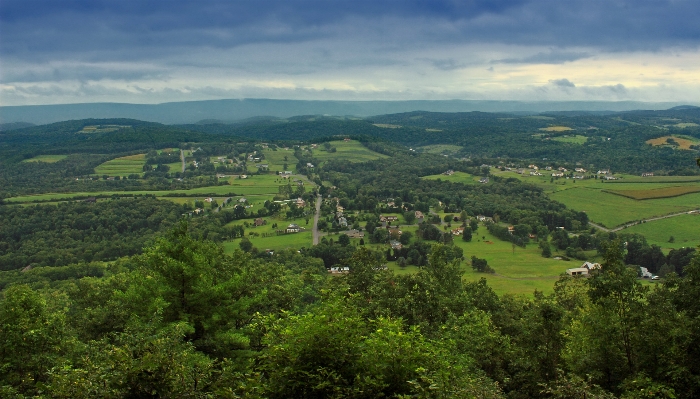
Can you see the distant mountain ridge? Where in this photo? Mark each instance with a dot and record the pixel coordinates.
(239, 109)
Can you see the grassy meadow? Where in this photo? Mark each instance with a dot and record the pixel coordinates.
(685, 230)
(457, 177)
(575, 139)
(275, 159)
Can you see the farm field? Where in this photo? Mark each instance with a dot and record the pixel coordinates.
(682, 142)
(294, 240)
(275, 159)
(124, 166)
(351, 151)
(575, 139)
(457, 177)
(612, 210)
(556, 129)
(46, 158)
(665, 192)
(685, 230)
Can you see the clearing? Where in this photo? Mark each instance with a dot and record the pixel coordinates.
(575, 139)
(351, 151)
(684, 230)
(555, 129)
(46, 158)
(681, 142)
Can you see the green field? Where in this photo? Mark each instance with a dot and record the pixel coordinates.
(275, 242)
(575, 139)
(351, 151)
(521, 273)
(457, 177)
(46, 158)
(124, 166)
(613, 210)
(685, 229)
(275, 159)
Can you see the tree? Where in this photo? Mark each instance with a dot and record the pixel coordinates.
(546, 249)
(474, 225)
(410, 217)
(481, 265)
(344, 240)
(672, 239)
(245, 245)
(467, 234)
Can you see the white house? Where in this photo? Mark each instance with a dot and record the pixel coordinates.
(577, 271)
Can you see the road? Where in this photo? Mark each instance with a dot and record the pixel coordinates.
(624, 226)
(316, 216)
(182, 157)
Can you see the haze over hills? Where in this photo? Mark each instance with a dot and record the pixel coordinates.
(239, 109)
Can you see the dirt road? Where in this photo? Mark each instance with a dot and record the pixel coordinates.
(182, 158)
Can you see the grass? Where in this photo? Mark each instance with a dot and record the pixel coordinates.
(275, 159)
(351, 151)
(519, 273)
(46, 158)
(683, 228)
(665, 192)
(457, 177)
(612, 210)
(124, 166)
(275, 242)
(387, 125)
(575, 139)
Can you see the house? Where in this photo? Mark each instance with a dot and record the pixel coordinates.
(577, 271)
(339, 270)
(603, 172)
(198, 211)
(389, 218)
(286, 173)
(580, 170)
(511, 229)
(557, 174)
(449, 172)
(342, 222)
(259, 222)
(263, 166)
(562, 169)
(346, 140)
(419, 217)
(457, 231)
(300, 203)
(395, 244)
(309, 165)
(293, 228)
(242, 200)
(645, 272)
(609, 177)
(590, 266)
(548, 168)
(533, 167)
(484, 180)
(355, 233)
(210, 199)
(649, 174)
(483, 218)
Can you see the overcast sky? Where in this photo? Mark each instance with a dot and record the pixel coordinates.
(63, 51)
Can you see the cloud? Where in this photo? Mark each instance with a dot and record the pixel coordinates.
(552, 57)
(562, 83)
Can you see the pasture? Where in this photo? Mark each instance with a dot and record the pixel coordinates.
(46, 158)
(612, 210)
(274, 241)
(276, 161)
(685, 230)
(124, 166)
(448, 149)
(351, 151)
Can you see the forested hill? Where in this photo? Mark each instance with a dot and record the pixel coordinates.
(95, 136)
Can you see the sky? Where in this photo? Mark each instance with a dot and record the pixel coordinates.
(140, 51)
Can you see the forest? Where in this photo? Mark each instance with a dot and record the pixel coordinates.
(184, 320)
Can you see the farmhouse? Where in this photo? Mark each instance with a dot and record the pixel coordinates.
(577, 271)
(458, 231)
(580, 170)
(555, 174)
(484, 180)
(590, 266)
(483, 218)
(649, 174)
(449, 172)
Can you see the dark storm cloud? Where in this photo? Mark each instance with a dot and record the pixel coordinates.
(143, 29)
